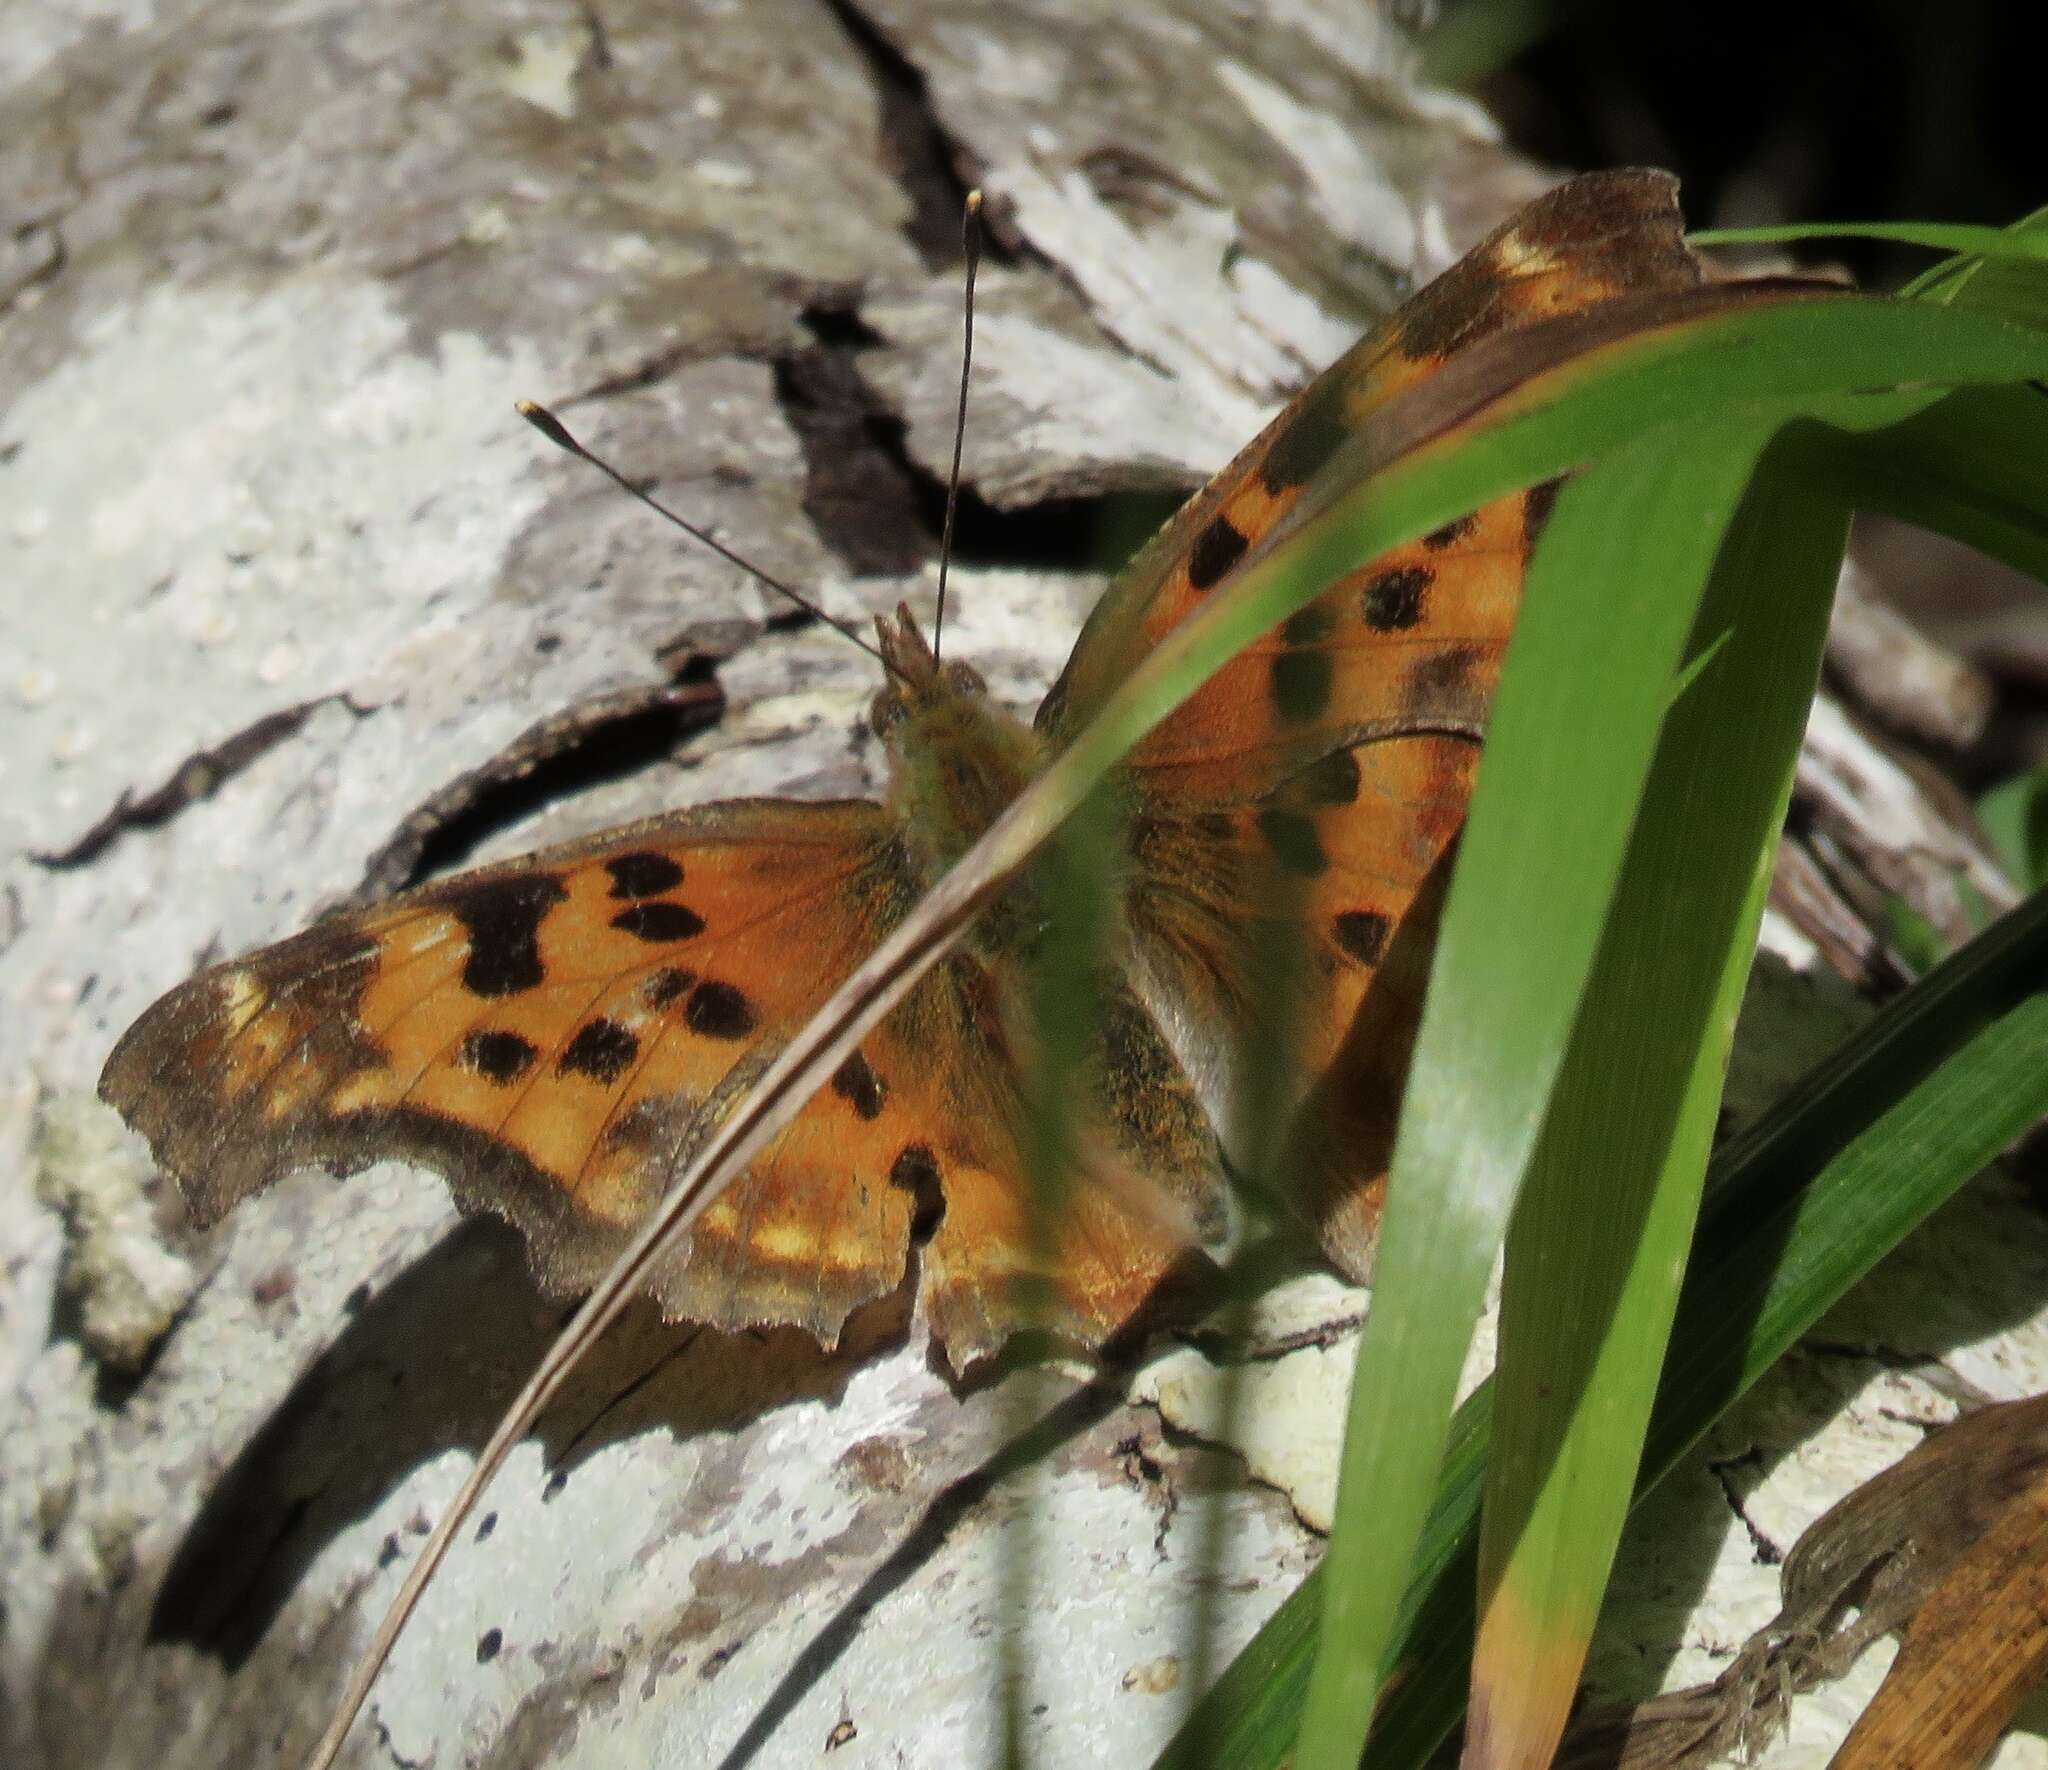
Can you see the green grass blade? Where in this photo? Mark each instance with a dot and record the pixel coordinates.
(1793, 1249)
(2016, 287)
(1979, 242)
(1395, 482)
(1599, 1238)
(1269, 1059)
(1492, 420)
(1590, 673)
(2015, 816)
(1799, 1207)
(1065, 976)
(1781, 1257)
(1974, 465)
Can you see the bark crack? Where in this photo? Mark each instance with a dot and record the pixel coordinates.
(1148, 1476)
(862, 492)
(1766, 1552)
(198, 777)
(881, 511)
(932, 165)
(595, 741)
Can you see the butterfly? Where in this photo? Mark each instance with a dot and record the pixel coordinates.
(557, 1035)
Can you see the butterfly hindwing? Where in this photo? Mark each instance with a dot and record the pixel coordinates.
(1142, 1195)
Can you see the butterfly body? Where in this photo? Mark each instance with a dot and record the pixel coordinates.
(557, 1035)
(956, 758)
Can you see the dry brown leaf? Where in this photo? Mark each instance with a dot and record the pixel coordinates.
(1976, 1648)
(1862, 1570)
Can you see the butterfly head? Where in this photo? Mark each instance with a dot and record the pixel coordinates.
(956, 757)
(919, 681)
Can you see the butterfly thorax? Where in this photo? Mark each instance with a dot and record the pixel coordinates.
(956, 758)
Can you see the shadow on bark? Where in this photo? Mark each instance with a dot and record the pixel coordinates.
(428, 1366)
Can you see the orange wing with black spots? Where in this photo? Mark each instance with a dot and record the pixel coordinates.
(1592, 240)
(551, 1034)
(557, 1034)
(1321, 776)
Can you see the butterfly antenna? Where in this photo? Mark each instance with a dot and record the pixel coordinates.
(970, 238)
(557, 433)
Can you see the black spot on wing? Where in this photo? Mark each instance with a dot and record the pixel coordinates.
(855, 1082)
(1314, 433)
(1331, 780)
(1392, 599)
(718, 1011)
(602, 1049)
(1450, 534)
(501, 1057)
(1442, 684)
(659, 921)
(1362, 934)
(643, 873)
(916, 1170)
(1301, 683)
(502, 918)
(1217, 549)
(1308, 626)
(667, 986)
(1295, 845)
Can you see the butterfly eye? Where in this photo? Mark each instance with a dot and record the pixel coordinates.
(885, 712)
(965, 679)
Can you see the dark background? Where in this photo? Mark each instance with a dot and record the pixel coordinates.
(1774, 110)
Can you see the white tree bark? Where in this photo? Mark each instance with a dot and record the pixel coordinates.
(281, 569)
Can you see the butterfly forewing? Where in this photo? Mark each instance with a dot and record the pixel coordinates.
(1587, 242)
(553, 1035)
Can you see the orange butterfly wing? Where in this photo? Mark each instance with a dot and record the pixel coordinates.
(549, 1034)
(557, 1034)
(1320, 778)
(1595, 238)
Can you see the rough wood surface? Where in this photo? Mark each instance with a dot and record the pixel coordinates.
(286, 582)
